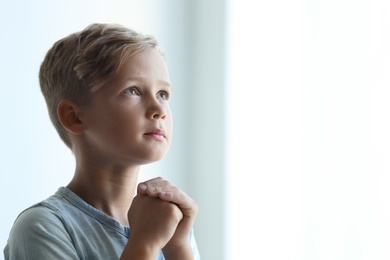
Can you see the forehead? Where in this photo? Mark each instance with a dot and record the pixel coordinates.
(147, 65)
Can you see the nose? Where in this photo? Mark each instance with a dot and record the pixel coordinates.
(156, 110)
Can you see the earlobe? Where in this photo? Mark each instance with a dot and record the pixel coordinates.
(68, 113)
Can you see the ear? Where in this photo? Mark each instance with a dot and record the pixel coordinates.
(69, 115)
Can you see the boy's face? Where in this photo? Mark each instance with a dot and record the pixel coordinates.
(129, 121)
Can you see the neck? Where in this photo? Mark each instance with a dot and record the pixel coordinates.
(109, 189)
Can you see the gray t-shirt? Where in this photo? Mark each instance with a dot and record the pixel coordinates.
(66, 227)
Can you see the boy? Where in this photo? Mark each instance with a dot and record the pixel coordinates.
(107, 91)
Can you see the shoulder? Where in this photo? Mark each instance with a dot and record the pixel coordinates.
(39, 233)
(42, 217)
(36, 218)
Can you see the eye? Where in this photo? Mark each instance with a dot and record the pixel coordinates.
(164, 95)
(132, 91)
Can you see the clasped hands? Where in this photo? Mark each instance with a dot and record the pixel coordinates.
(161, 217)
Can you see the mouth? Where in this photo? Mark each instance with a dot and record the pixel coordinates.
(157, 134)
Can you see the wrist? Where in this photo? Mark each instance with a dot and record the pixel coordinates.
(178, 252)
(138, 250)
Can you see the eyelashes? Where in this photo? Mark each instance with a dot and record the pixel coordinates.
(134, 91)
(164, 95)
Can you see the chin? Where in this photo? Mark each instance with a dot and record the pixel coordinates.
(153, 159)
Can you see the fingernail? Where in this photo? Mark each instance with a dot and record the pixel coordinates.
(142, 186)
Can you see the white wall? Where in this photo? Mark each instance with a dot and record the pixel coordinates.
(309, 123)
(33, 160)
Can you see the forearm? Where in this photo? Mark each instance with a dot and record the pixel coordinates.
(139, 251)
(178, 252)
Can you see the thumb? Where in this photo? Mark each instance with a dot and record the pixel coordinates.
(142, 188)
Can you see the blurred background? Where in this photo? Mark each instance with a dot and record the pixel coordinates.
(281, 113)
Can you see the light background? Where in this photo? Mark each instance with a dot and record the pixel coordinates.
(281, 112)
(308, 118)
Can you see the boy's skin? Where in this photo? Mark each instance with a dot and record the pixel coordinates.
(128, 123)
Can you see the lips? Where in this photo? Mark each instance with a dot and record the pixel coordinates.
(156, 134)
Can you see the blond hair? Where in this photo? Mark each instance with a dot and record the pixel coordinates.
(83, 62)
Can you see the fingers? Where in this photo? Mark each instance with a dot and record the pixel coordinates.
(158, 187)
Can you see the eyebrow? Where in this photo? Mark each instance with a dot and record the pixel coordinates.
(142, 79)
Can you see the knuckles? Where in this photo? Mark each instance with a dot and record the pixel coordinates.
(173, 212)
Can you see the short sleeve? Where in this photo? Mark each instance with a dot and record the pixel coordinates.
(38, 233)
(194, 246)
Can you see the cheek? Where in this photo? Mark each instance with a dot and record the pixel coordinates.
(114, 122)
(123, 124)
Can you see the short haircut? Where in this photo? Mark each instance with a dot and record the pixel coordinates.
(83, 62)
